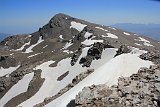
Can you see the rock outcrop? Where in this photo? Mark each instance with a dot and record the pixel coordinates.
(139, 90)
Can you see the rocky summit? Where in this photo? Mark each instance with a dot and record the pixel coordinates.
(70, 62)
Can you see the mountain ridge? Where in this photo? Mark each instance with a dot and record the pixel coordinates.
(66, 55)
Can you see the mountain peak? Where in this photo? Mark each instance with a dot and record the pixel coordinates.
(49, 67)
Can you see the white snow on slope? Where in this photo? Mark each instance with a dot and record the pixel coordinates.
(52, 73)
(17, 89)
(137, 51)
(101, 29)
(77, 26)
(90, 42)
(146, 42)
(7, 71)
(28, 50)
(110, 35)
(45, 46)
(61, 37)
(138, 44)
(67, 45)
(23, 46)
(126, 33)
(34, 55)
(122, 65)
(67, 51)
(112, 28)
(87, 34)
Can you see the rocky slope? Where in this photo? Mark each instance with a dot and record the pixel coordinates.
(53, 64)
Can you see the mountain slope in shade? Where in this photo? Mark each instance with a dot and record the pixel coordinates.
(66, 55)
(3, 35)
(150, 30)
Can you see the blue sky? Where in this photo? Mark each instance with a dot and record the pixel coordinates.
(26, 16)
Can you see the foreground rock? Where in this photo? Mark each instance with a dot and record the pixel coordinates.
(139, 90)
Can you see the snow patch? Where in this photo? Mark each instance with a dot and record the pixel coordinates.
(87, 34)
(90, 41)
(110, 35)
(29, 36)
(61, 37)
(17, 89)
(7, 71)
(45, 46)
(101, 29)
(28, 50)
(112, 28)
(11, 54)
(138, 44)
(126, 33)
(77, 26)
(146, 42)
(23, 46)
(67, 51)
(137, 51)
(68, 44)
(34, 55)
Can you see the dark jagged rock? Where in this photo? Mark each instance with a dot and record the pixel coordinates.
(74, 59)
(152, 56)
(93, 53)
(123, 49)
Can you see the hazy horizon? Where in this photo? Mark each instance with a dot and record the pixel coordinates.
(21, 16)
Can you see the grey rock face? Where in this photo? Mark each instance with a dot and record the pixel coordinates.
(8, 61)
(123, 49)
(14, 42)
(93, 53)
(152, 56)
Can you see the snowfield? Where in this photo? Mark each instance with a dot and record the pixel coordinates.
(77, 26)
(52, 73)
(17, 89)
(122, 65)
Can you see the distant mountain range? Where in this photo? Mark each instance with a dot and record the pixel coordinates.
(3, 35)
(150, 30)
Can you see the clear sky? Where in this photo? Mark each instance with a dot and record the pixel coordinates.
(26, 16)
